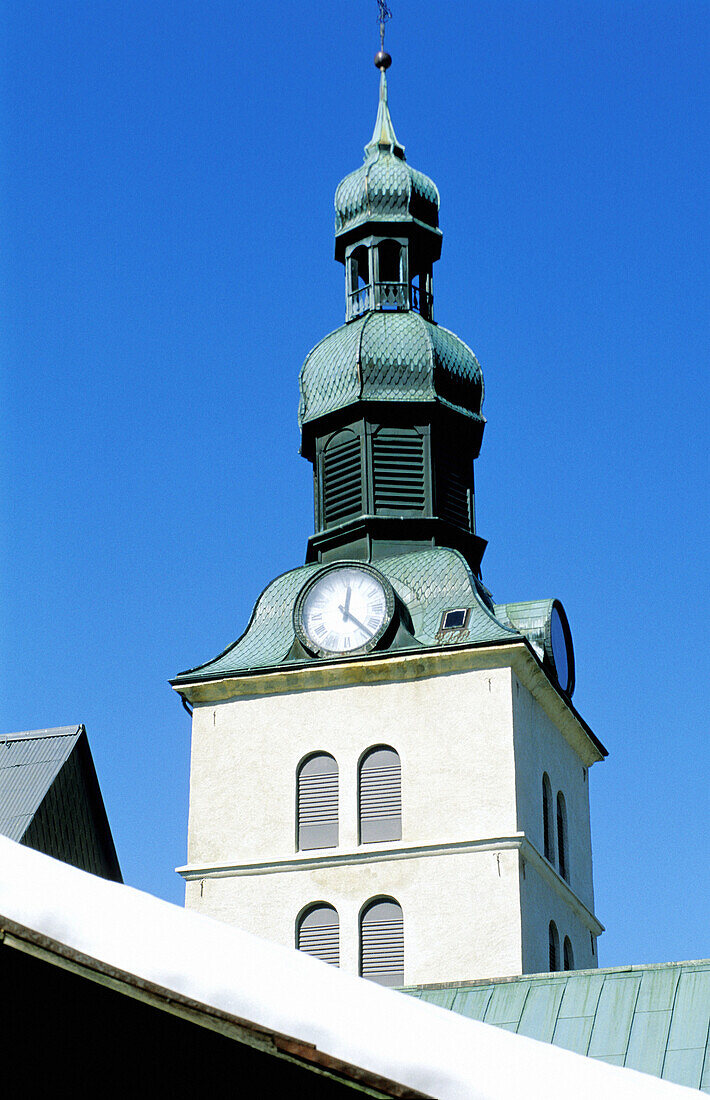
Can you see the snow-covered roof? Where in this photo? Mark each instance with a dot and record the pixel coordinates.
(396, 1037)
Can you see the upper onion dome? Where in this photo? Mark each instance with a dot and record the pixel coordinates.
(392, 357)
(385, 187)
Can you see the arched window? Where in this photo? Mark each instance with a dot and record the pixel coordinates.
(380, 796)
(554, 947)
(318, 802)
(562, 842)
(547, 820)
(318, 933)
(342, 478)
(568, 956)
(389, 255)
(382, 942)
(359, 268)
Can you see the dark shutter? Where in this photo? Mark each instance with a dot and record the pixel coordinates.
(547, 819)
(319, 934)
(554, 940)
(381, 796)
(453, 483)
(562, 850)
(342, 481)
(318, 803)
(382, 944)
(398, 461)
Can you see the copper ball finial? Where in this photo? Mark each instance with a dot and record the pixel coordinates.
(382, 60)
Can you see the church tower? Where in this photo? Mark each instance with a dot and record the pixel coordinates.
(387, 767)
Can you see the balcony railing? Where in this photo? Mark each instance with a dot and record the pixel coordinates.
(388, 296)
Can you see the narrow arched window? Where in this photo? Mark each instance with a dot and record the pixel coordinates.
(554, 947)
(318, 802)
(359, 268)
(547, 821)
(568, 956)
(562, 840)
(318, 933)
(382, 942)
(380, 796)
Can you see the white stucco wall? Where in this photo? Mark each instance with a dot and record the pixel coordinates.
(460, 910)
(539, 748)
(454, 734)
(473, 743)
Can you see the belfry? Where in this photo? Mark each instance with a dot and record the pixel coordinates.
(387, 767)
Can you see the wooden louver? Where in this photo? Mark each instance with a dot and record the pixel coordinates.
(452, 489)
(342, 481)
(380, 797)
(318, 803)
(382, 943)
(319, 934)
(398, 461)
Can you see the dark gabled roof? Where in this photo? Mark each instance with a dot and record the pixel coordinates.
(50, 798)
(655, 1019)
(29, 764)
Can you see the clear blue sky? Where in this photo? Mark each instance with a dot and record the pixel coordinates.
(168, 237)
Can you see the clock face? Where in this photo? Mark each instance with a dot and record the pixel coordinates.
(562, 651)
(346, 609)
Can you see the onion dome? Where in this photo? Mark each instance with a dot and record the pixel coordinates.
(385, 188)
(392, 357)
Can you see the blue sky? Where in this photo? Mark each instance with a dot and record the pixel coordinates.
(167, 204)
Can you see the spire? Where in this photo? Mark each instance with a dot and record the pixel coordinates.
(383, 136)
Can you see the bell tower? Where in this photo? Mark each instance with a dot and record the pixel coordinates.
(390, 410)
(387, 767)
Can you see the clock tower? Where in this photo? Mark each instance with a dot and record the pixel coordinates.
(387, 767)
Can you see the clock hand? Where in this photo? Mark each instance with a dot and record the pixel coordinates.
(347, 603)
(349, 615)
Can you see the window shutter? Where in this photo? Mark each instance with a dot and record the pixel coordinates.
(380, 796)
(382, 943)
(319, 934)
(342, 481)
(318, 803)
(398, 461)
(453, 484)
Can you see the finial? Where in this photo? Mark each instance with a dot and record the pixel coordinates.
(384, 137)
(382, 58)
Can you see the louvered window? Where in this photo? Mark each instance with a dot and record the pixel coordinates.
(562, 847)
(554, 946)
(568, 955)
(342, 480)
(318, 934)
(380, 796)
(547, 822)
(398, 460)
(318, 803)
(453, 484)
(382, 943)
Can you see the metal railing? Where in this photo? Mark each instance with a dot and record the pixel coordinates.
(388, 296)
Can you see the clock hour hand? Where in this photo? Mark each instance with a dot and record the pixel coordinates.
(349, 615)
(346, 609)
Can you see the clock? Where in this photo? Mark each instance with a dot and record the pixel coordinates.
(558, 646)
(345, 608)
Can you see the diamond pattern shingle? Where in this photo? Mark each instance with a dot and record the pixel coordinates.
(386, 356)
(428, 582)
(385, 188)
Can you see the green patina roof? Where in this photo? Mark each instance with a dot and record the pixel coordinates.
(655, 1019)
(390, 357)
(385, 188)
(428, 582)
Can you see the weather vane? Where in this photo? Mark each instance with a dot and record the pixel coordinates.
(382, 58)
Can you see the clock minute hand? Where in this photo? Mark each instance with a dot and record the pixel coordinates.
(349, 615)
(346, 608)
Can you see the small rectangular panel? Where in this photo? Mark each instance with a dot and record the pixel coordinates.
(573, 1033)
(612, 1022)
(647, 1042)
(506, 1004)
(581, 995)
(539, 1014)
(684, 1067)
(473, 1002)
(691, 1011)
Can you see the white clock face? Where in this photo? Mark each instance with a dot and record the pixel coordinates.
(345, 609)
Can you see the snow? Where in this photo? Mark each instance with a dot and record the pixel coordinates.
(399, 1037)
